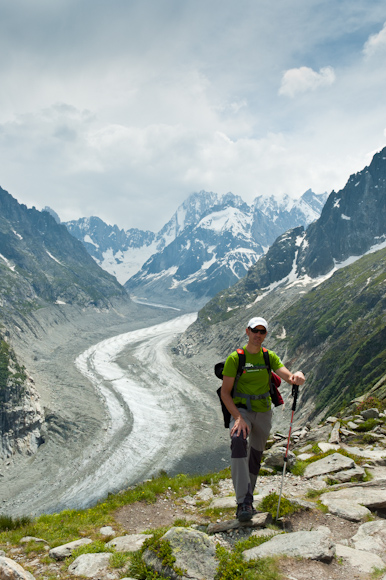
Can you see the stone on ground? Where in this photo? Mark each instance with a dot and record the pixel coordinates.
(371, 537)
(129, 543)
(93, 565)
(314, 545)
(330, 464)
(364, 561)
(62, 552)
(11, 570)
(194, 551)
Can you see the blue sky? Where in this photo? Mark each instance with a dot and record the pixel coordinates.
(121, 109)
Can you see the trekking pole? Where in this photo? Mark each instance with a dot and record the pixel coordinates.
(295, 391)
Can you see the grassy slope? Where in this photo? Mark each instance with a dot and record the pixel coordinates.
(340, 327)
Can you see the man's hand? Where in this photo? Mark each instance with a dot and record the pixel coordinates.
(240, 426)
(297, 378)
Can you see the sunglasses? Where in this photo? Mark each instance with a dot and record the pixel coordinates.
(256, 330)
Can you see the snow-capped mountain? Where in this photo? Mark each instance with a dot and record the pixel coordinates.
(209, 243)
(352, 223)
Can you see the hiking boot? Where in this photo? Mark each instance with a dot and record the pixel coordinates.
(244, 512)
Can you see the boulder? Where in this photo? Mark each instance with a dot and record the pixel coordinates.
(335, 437)
(129, 543)
(371, 497)
(275, 458)
(370, 414)
(329, 464)
(93, 565)
(359, 559)
(10, 570)
(205, 494)
(194, 551)
(62, 552)
(314, 545)
(324, 447)
(371, 537)
(356, 473)
(346, 508)
(107, 531)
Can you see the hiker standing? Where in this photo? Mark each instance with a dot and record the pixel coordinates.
(252, 392)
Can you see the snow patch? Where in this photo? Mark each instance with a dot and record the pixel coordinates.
(8, 263)
(53, 258)
(87, 239)
(17, 235)
(345, 217)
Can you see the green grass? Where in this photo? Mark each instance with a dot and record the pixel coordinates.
(270, 502)
(69, 525)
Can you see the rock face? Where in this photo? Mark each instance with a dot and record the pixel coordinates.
(21, 413)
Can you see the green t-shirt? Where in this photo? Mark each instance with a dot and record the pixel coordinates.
(255, 380)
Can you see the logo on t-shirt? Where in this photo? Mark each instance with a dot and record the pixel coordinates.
(249, 367)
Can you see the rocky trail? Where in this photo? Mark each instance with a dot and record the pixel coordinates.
(338, 533)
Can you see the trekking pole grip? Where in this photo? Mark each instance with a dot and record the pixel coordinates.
(295, 392)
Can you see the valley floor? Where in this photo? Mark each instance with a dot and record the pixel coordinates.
(95, 372)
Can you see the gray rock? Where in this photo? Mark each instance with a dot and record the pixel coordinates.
(324, 447)
(259, 520)
(370, 497)
(314, 545)
(304, 456)
(27, 539)
(359, 559)
(10, 570)
(91, 565)
(194, 551)
(329, 464)
(205, 494)
(378, 455)
(275, 458)
(129, 543)
(331, 419)
(371, 537)
(335, 437)
(224, 502)
(370, 414)
(356, 473)
(62, 552)
(345, 508)
(107, 531)
(352, 425)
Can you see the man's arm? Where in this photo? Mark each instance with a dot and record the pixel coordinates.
(240, 425)
(291, 378)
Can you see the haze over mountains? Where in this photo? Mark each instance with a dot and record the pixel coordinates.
(209, 243)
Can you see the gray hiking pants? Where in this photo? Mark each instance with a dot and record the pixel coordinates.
(246, 454)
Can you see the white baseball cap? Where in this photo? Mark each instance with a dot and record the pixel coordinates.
(258, 322)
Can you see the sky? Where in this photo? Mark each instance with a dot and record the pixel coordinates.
(122, 109)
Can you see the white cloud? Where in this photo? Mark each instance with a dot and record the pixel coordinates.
(160, 99)
(304, 79)
(375, 43)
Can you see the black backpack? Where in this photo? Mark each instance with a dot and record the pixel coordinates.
(274, 382)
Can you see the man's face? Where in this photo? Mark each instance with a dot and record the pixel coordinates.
(256, 336)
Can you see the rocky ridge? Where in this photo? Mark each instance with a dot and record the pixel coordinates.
(342, 519)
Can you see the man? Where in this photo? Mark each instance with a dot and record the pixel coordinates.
(252, 391)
